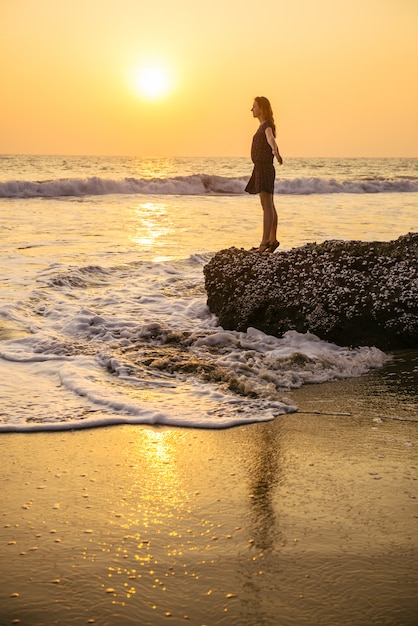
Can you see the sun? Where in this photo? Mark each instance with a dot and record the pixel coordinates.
(152, 82)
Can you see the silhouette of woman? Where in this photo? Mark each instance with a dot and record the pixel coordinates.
(263, 150)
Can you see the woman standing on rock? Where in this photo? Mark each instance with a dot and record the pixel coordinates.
(263, 150)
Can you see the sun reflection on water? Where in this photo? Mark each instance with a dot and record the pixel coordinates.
(149, 223)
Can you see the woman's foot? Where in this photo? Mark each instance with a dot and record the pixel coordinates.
(273, 246)
(264, 246)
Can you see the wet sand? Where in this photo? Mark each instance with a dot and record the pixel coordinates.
(311, 519)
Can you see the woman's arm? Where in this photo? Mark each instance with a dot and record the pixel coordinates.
(272, 143)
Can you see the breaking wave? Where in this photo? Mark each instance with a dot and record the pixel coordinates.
(197, 184)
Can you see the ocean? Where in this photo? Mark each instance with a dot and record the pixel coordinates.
(103, 316)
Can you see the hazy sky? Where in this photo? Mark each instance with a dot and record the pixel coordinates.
(342, 76)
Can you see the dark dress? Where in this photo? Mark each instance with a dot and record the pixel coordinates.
(262, 178)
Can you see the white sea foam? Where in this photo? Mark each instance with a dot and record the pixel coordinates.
(166, 362)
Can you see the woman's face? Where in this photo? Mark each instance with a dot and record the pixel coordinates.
(256, 109)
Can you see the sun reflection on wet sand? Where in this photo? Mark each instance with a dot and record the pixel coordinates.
(153, 502)
(136, 524)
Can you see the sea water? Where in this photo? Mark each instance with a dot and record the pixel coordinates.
(103, 315)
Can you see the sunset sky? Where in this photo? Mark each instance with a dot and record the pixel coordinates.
(177, 78)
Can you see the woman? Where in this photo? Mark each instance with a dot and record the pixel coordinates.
(263, 150)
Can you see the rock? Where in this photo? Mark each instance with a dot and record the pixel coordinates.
(351, 293)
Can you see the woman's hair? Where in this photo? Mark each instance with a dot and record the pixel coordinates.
(267, 111)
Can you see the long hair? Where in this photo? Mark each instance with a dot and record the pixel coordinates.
(267, 111)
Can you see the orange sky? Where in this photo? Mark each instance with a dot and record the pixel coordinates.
(341, 76)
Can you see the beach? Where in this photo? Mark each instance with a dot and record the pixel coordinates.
(159, 469)
(309, 519)
(208, 313)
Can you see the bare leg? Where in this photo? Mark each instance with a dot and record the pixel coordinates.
(273, 231)
(269, 220)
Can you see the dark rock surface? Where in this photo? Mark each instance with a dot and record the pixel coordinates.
(348, 292)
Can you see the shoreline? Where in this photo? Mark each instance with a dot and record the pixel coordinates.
(309, 519)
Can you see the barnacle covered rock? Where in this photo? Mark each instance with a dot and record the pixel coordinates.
(348, 292)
